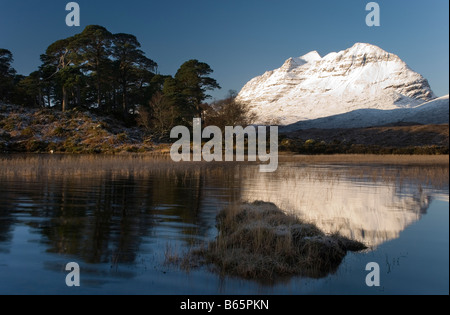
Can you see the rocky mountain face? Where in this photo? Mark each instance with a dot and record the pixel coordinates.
(310, 87)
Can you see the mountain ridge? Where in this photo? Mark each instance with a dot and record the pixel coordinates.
(363, 76)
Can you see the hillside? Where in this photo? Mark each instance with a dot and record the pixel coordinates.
(432, 112)
(399, 138)
(44, 130)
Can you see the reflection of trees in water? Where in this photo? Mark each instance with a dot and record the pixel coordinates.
(104, 219)
(6, 218)
(96, 219)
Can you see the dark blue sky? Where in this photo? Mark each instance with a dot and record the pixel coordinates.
(239, 39)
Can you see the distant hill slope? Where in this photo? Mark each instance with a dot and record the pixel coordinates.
(387, 136)
(433, 112)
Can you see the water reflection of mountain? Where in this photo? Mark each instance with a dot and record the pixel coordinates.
(369, 211)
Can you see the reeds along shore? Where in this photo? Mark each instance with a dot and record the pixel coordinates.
(368, 159)
(431, 170)
(50, 161)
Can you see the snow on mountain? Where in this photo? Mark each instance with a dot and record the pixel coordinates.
(433, 112)
(310, 87)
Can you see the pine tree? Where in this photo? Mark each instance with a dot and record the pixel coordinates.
(7, 75)
(193, 81)
(95, 45)
(132, 70)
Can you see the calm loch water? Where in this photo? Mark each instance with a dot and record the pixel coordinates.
(118, 226)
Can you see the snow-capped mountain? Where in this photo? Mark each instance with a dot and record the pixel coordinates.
(310, 87)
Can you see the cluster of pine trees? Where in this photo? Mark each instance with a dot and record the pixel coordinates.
(109, 74)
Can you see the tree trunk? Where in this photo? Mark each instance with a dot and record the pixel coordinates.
(124, 99)
(41, 105)
(98, 97)
(65, 99)
(199, 111)
(49, 99)
(78, 96)
(98, 83)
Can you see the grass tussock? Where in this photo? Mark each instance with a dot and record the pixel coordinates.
(259, 241)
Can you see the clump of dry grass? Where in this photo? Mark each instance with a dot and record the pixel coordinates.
(259, 241)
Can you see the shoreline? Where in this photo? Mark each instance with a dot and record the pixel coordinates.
(283, 157)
